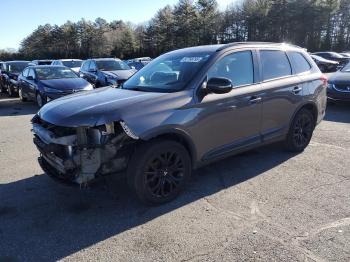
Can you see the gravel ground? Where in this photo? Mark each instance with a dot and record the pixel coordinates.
(264, 205)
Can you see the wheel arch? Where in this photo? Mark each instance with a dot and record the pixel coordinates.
(177, 135)
(309, 105)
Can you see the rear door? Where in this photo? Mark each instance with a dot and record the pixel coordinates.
(282, 93)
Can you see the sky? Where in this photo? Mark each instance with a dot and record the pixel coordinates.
(21, 17)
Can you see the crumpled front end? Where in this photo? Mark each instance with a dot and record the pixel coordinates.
(82, 154)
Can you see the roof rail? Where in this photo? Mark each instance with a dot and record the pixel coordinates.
(255, 43)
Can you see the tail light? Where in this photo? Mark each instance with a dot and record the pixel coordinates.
(324, 79)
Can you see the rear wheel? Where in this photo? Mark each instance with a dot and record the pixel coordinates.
(159, 171)
(300, 132)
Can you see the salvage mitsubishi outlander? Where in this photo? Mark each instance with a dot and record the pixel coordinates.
(185, 109)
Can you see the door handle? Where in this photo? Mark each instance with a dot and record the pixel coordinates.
(255, 100)
(297, 90)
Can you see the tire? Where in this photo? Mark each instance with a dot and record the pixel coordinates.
(40, 100)
(158, 171)
(21, 97)
(10, 91)
(300, 131)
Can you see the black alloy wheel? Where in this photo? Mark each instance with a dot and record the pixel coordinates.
(164, 173)
(301, 131)
(159, 170)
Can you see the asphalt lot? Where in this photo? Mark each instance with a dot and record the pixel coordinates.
(264, 205)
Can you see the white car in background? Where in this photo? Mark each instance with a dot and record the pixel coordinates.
(73, 64)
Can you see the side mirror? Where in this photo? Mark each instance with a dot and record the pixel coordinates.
(219, 85)
(31, 78)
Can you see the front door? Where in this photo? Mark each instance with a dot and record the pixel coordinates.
(231, 121)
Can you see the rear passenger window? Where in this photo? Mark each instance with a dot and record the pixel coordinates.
(238, 67)
(275, 64)
(299, 63)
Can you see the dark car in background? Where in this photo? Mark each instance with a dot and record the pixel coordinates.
(339, 85)
(346, 54)
(187, 108)
(333, 56)
(1, 76)
(41, 62)
(138, 64)
(325, 65)
(45, 83)
(105, 72)
(73, 64)
(10, 71)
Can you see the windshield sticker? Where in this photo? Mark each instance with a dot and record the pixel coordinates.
(191, 59)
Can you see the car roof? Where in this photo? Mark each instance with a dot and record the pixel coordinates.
(104, 59)
(219, 47)
(17, 61)
(46, 66)
(69, 60)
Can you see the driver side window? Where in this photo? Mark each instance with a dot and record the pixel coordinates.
(238, 67)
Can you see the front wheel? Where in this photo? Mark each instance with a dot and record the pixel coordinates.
(300, 131)
(20, 94)
(10, 91)
(159, 171)
(40, 100)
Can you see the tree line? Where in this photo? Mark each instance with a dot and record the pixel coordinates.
(313, 24)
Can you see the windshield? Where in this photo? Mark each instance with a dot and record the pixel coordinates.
(47, 73)
(111, 65)
(319, 58)
(168, 73)
(17, 67)
(336, 55)
(48, 62)
(72, 64)
(346, 68)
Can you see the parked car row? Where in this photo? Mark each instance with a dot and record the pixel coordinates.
(74, 75)
(45, 80)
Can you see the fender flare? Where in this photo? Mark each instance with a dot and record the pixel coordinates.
(176, 132)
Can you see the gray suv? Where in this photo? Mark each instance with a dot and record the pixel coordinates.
(187, 108)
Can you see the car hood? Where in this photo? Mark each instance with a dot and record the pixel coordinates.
(66, 84)
(340, 77)
(121, 74)
(94, 108)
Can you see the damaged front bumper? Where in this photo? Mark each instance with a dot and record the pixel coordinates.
(81, 155)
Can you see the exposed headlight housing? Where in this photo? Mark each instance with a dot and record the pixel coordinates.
(128, 131)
